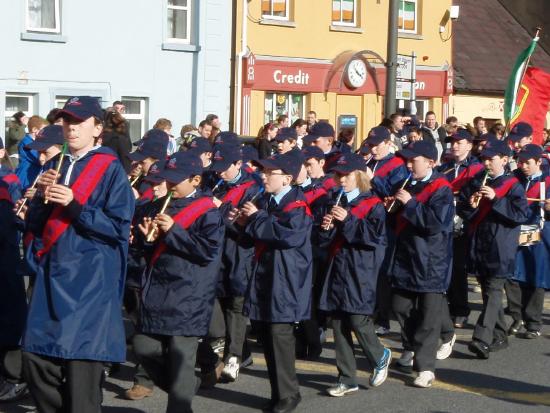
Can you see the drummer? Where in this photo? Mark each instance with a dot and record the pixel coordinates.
(525, 291)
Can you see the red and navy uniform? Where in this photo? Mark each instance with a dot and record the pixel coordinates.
(389, 173)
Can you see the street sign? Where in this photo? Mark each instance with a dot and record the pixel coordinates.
(403, 90)
(406, 77)
(405, 67)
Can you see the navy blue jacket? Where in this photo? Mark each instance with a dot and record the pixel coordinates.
(357, 247)
(238, 249)
(13, 303)
(280, 288)
(75, 311)
(423, 250)
(494, 240)
(389, 173)
(459, 175)
(179, 290)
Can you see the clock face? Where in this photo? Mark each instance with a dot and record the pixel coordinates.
(356, 74)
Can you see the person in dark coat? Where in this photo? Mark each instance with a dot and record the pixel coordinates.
(322, 134)
(13, 303)
(265, 142)
(387, 172)
(237, 188)
(525, 290)
(279, 293)
(459, 171)
(421, 269)
(115, 136)
(80, 228)
(493, 206)
(179, 285)
(354, 233)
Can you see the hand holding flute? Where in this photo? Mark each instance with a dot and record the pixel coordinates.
(53, 181)
(151, 227)
(484, 190)
(401, 194)
(335, 212)
(236, 214)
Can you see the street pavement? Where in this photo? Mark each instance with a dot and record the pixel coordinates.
(512, 380)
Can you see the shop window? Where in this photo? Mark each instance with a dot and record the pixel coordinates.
(17, 102)
(179, 21)
(408, 16)
(43, 16)
(136, 115)
(290, 104)
(275, 9)
(344, 12)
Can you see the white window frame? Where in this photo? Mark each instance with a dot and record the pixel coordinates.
(415, 31)
(57, 13)
(142, 116)
(60, 101)
(288, 103)
(342, 23)
(283, 18)
(30, 96)
(188, 8)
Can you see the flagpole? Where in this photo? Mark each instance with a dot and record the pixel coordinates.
(507, 130)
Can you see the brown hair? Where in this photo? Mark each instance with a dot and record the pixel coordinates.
(36, 122)
(163, 123)
(346, 135)
(115, 122)
(262, 134)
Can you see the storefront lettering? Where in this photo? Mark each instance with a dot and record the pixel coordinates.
(301, 78)
(419, 85)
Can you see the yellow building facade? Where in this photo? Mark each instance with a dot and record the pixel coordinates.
(293, 56)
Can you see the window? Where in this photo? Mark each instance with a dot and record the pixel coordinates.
(343, 12)
(179, 21)
(136, 115)
(422, 106)
(275, 9)
(60, 101)
(43, 16)
(289, 104)
(407, 16)
(16, 102)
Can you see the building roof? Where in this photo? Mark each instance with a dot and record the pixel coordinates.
(486, 42)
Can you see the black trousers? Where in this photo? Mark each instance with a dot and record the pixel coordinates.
(235, 326)
(279, 343)
(457, 293)
(447, 325)
(419, 315)
(491, 324)
(525, 303)
(363, 328)
(11, 364)
(383, 296)
(170, 362)
(64, 386)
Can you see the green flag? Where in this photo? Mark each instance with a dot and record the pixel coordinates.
(514, 82)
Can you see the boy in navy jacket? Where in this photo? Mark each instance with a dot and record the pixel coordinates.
(421, 269)
(179, 286)
(493, 206)
(355, 235)
(279, 293)
(78, 254)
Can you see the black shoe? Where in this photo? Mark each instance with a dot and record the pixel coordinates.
(499, 344)
(460, 322)
(268, 407)
(515, 327)
(531, 334)
(287, 405)
(480, 349)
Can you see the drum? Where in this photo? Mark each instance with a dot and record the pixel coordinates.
(529, 235)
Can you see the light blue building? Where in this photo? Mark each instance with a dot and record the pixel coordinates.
(162, 58)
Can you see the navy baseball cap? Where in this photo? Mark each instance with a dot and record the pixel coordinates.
(313, 152)
(349, 162)
(308, 140)
(153, 175)
(377, 135)
(485, 137)
(200, 145)
(495, 147)
(530, 151)
(520, 130)
(227, 138)
(154, 144)
(286, 134)
(322, 130)
(250, 153)
(224, 156)
(288, 162)
(419, 148)
(47, 137)
(181, 166)
(81, 108)
(462, 133)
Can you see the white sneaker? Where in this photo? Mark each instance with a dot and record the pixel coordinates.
(406, 359)
(446, 349)
(425, 379)
(231, 370)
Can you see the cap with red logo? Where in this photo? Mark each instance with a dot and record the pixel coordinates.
(349, 162)
(224, 156)
(180, 166)
(81, 108)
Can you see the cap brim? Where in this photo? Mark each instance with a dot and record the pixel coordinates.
(220, 166)
(374, 141)
(488, 153)
(137, 156)
(64, 113)
(342, 169)
(40, 146)
(173, 177)
(408, 154)
(515, 138)
(154, 179)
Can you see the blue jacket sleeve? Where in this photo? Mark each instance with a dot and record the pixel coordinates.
(109, 223)
(388, 186)
(366, 232)
(513, 207)
(434, 216)
(289, 231)
(202, 241)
